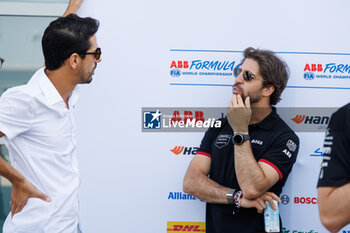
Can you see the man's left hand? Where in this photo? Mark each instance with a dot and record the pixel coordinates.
(259, 203)
(239, 113)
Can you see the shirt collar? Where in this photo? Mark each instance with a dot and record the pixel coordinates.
(268, 121)
(50, 91)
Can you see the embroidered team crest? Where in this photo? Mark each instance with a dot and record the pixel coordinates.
(291, 145)
(222, 140)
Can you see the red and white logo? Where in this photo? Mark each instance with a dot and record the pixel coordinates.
(305, 200)
(184, 150)
(298, 118)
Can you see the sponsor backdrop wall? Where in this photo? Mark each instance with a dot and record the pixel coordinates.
(180, 54)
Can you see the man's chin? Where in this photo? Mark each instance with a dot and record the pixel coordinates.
(86, 81)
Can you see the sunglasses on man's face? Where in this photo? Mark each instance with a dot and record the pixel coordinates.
(97, 53)
(247, 75)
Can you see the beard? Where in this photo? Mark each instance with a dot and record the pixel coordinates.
(253, 98)
(86, 77)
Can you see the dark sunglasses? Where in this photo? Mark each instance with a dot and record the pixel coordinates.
(247, 75)
(97, 53)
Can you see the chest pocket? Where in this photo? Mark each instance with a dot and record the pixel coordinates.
(222, 140)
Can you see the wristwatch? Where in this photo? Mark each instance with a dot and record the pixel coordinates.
(238, 138)
(230, 196)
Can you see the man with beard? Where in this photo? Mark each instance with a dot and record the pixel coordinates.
(247, 160)
(37, 122)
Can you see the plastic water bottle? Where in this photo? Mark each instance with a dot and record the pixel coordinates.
(272, 218)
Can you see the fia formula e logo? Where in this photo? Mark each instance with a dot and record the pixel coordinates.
(152, 119)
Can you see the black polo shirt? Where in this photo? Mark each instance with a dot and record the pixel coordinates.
(272, 142)
(335, 169)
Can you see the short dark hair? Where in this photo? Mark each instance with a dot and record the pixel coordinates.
(273, 70)
(65, 36)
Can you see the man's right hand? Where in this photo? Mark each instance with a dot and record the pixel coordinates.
(259, 203)
(22, 190)
(73, 7)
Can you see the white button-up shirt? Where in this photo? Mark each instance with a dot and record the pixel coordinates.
(40, 137)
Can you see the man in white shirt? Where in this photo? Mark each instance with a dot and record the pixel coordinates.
(37, 123)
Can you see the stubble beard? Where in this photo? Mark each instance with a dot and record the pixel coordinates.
(253, 99)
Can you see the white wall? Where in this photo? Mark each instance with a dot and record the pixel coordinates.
(126, 174)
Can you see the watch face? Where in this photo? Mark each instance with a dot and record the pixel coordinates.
(238, 138)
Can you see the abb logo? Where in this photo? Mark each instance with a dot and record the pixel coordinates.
(186, 150)
(298, 119)
(305, 200)
(185, 227)
(179, 64)
(313, 67)
(187, 116)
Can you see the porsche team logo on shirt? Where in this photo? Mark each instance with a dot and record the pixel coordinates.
(222, 140)
(291, 145)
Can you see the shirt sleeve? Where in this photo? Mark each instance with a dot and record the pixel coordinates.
(15, 112)
(282, 153)
(206, 145)
(335, 168)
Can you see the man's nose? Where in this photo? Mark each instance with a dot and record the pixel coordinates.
(239, 78)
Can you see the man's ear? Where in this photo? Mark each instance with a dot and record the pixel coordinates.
(268, 90)
(73, 60)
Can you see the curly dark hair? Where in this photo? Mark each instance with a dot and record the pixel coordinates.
(273, 70)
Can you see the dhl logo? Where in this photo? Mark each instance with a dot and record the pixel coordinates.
(177, 149)
(185, 227)
(298, 119)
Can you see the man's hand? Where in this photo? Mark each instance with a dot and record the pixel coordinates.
(239, 113)
(21, 191)
(73, 7)
(259, 203)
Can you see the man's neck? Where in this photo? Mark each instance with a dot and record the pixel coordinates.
(63, 82)
(259, 113)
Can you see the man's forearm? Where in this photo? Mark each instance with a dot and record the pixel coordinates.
(334, 205)
(249, 174)
(205, 189)
(7, 171)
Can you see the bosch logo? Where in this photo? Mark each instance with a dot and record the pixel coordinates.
(285, 199)
(305, 200)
